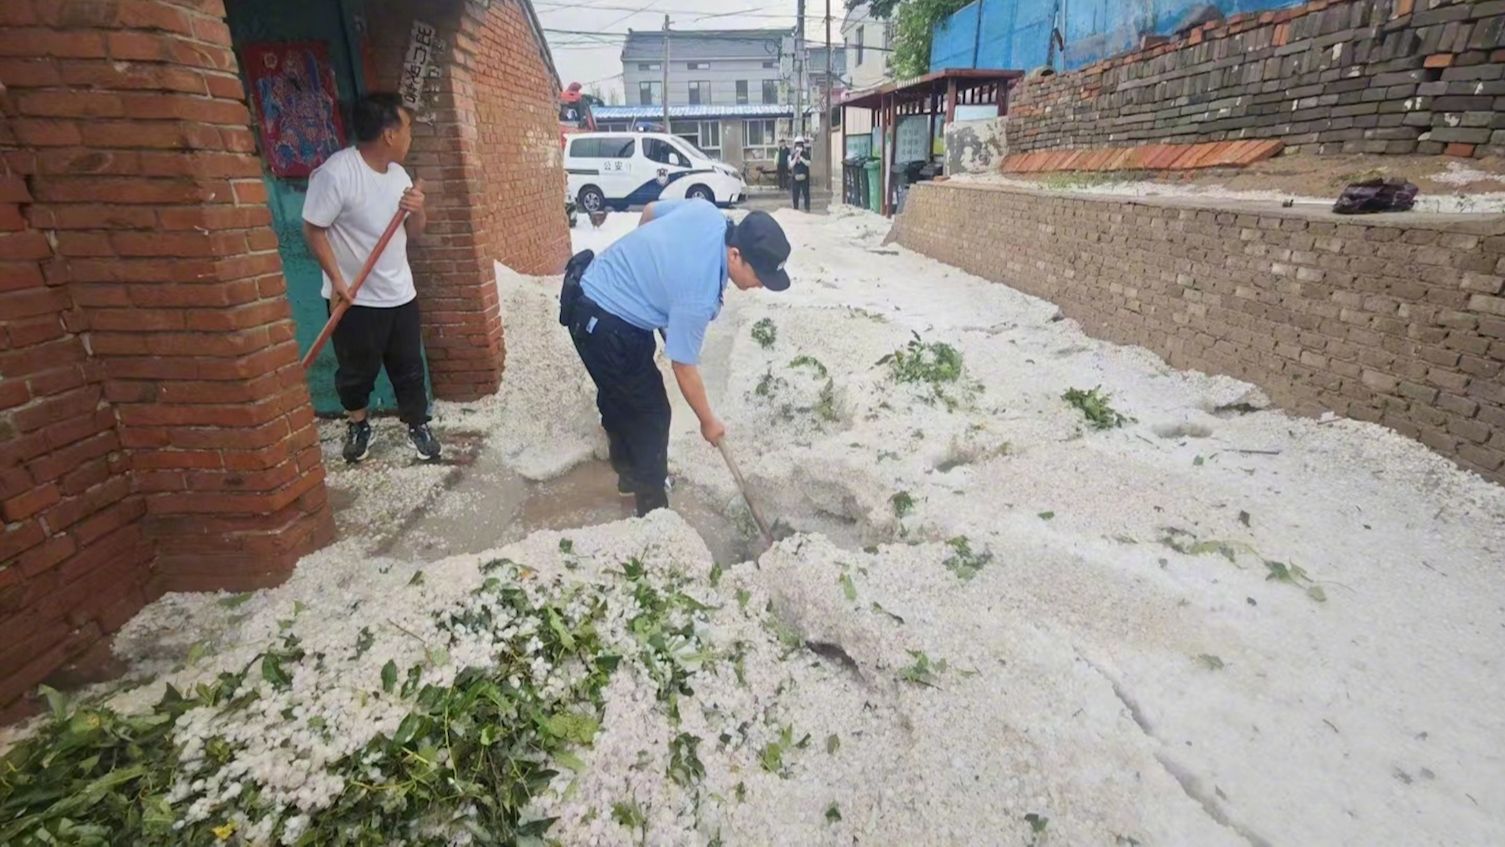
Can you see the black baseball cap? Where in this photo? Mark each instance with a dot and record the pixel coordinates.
(761, 241)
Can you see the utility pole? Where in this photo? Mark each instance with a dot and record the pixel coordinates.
(667, 127)
(799, 71)
(825, 117)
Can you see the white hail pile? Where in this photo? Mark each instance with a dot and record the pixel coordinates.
(1117, 185)
(1211, 625)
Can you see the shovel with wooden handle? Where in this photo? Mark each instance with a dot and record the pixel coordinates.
(731, 465)
(343, 306)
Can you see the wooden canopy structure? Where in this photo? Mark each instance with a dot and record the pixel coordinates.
(936, 94)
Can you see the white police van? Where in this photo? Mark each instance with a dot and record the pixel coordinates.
(615, 170)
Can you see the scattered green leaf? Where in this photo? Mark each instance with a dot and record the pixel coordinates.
(923, 671)
(802, 361)
(886, 613)
(963, 561)
(363, 641)
(903, 503)
(765, 333)
(1095, 407)
(1037, 824)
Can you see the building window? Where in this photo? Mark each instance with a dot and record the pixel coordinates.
(700, 93)
(705, 135)
(760, 139)
(650, 93)
(861, 29)
(698, 66)
(710, 138)
(770, 91)
(648, 66)
(741, 92)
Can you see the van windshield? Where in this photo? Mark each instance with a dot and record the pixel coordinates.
(694, 152)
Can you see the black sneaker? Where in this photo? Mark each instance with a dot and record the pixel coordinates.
(424, 442)
(357, 441)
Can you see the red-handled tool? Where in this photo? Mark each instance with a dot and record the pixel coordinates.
(343, 306)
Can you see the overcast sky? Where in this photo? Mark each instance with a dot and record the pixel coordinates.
(597, 59)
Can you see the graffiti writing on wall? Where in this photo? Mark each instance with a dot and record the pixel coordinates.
(418, 64)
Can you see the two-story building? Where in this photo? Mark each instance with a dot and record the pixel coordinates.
(817, 79)
(867, 41)
(727, 92)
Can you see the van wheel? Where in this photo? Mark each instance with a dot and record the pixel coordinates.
(700, 192)
(591, 199)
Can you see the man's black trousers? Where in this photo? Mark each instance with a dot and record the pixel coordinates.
(631, 398)
(802, 189)
(370, 337)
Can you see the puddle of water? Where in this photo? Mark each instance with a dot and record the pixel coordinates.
(588, 495)
(490, 506)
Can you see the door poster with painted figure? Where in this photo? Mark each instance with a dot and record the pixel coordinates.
(296, 100)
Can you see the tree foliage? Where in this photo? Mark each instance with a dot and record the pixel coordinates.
(914, 21)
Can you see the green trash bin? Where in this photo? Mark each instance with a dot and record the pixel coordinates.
(874, 186)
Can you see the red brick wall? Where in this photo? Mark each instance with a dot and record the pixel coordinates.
(149, 386)
(495, 185)
(74, 562)
(1331, 76)
(520, 214)
(1394, 319)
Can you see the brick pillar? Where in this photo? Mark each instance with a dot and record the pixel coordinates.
(128, 123)
(74, 563)
(487, 148)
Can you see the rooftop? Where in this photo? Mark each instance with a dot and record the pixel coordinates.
(968, 83)
(692, 44)
(751, 110)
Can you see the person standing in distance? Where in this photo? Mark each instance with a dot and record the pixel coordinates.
(668, 275)
(799, 171)
(782, 164)
(351, 199)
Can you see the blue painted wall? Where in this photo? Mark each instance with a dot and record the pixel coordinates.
(1016, 33)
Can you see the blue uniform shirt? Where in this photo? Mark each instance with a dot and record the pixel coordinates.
(668, 274)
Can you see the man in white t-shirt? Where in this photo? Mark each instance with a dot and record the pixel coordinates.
(351, 200)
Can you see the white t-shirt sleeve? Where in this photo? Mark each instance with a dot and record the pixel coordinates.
(325, 198)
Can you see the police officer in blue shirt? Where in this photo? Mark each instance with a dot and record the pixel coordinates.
(668, 275)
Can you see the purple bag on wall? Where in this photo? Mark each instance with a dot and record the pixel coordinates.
(1377, 195)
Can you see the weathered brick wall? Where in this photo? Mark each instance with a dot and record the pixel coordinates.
(520, 218)
(496, 190)
(1350, 76)
(1395, 319)
(150, 396)
(74, 562)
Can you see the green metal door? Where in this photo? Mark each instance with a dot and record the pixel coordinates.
(336, 23)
